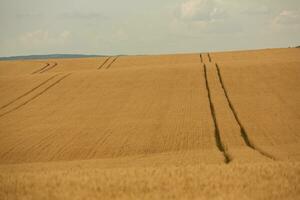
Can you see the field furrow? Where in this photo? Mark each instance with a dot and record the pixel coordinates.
(28, 92)
(139, 112)
(209, 58)
(23, 103)
(201, 58)
(187, 126)
(76, 65)
(48, 68)
(243, 132)
(105, 61)
(41, 69)
(265, 99)
(19, 68)
(112, 62)
(229, 129)
(218, 139)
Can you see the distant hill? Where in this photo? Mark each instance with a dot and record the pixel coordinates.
(32, 57)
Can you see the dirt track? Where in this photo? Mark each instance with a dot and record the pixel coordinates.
(217, 125)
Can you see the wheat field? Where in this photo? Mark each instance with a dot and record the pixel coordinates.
(223, 125)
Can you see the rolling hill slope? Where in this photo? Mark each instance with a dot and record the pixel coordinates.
(221, 125)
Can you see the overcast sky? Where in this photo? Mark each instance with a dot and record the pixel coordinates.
(145, 26)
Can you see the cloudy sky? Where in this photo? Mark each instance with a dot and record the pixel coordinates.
(146, 27)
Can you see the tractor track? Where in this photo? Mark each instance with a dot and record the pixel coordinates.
(37, 71)
(108, 66)
(201, 58)
(65, 147)
(49, 68)
(218, 138)
(243, 132)
(106, 60)
(35, 96)
(28, 92)
(209, 57)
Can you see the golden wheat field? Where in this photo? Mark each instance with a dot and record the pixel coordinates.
(222, 125)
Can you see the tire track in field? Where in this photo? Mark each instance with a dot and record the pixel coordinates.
(35, 96)
(37, 71)
(15, 146)
(244, 134)
(218, 138)
(201, 58)
(60, 151)
(108, 66)
(209, 57)
(47, 69)
(99, 142)
(106, 60)
(28, 92)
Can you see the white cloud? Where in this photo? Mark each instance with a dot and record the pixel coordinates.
(201, 10)
(34, 37)
(287, 17)
(43, 38)
(196, 18)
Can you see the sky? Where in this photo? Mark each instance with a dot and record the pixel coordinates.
(132, 27)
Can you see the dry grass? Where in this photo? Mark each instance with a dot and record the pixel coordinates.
(265, 93)
(151, 127)
(254, 181)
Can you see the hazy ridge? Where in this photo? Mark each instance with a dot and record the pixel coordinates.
(48, 56)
